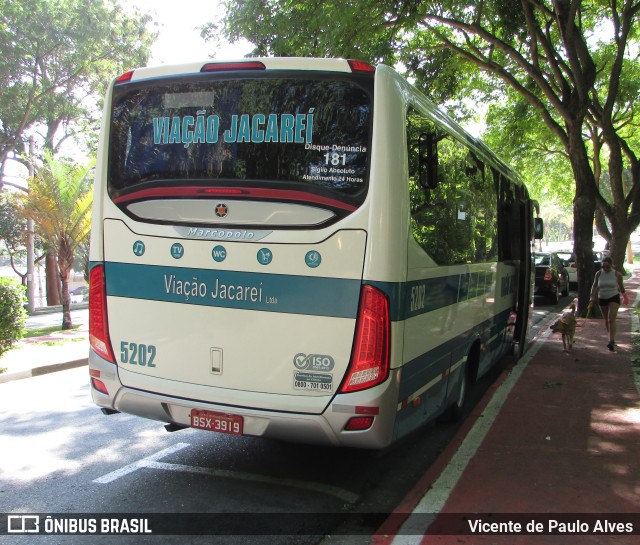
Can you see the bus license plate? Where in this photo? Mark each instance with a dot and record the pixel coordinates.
(222, 423)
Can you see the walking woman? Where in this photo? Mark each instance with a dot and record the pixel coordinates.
(607, 287)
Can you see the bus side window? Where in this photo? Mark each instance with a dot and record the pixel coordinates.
(455, 222)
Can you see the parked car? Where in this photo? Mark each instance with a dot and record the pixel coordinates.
(572, 268)
(552, 278)
(80, 294)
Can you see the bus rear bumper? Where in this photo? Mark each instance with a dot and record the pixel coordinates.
(327, 428)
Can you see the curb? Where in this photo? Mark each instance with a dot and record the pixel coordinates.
(43, 370)
(57, 308)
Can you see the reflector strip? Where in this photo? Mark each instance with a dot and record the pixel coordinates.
(359, 423)
(246, 193)
(99, 385)
(367, 410)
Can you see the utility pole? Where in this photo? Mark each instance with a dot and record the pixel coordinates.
(31, 284)
(30, 232)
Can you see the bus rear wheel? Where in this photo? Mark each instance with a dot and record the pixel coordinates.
(456, 411)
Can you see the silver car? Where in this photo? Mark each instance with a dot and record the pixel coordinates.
(572, 268)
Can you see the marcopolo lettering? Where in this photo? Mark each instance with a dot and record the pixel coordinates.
(220, 234)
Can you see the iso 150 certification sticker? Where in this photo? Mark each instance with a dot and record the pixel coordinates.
(317, 382)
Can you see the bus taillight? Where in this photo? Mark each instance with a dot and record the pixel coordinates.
(360, 66)
(125, 78)
(370, 358)
(98, 325)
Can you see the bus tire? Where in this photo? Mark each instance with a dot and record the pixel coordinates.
(456, 411)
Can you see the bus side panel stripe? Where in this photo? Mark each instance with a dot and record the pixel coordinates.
(336, 297)
(421, 296)
(423, 369)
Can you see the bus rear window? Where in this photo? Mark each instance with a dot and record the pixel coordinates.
(304, 134)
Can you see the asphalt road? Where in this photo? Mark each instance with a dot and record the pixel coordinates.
(60, 454)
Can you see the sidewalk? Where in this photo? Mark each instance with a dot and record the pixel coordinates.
(556, 441)
(39, 355)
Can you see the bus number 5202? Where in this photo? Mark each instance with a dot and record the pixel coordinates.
(137, 354)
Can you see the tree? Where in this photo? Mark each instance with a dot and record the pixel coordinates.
(12, 314)
(59, 202)
(570, 62)
(13, 233)
(513, 128)
(57, 58)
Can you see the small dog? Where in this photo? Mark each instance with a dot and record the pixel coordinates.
(567, 326)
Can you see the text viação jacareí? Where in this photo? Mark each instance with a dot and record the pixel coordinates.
(256, 128)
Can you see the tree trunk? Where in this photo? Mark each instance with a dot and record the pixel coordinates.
(66, 299)
(619, 242)
(53, 279)
(584, 206)
(65, 264)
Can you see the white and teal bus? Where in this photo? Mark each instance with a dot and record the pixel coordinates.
(303, 249)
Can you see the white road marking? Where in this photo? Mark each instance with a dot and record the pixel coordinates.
(340, 493)
(110, 477)
(151, 462)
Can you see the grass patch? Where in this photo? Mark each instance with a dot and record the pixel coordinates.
(57, 342)
(3, 370)
(46, 330)
(60, 342)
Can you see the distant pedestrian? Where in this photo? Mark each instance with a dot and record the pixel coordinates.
(607, 287)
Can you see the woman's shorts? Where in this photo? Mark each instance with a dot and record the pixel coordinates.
(605, 302)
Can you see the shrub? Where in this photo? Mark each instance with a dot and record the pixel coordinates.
(12, 313)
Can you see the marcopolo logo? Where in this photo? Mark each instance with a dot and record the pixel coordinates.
(222, 210)
(313, 362)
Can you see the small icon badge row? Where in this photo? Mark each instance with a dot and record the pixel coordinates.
(219, 254)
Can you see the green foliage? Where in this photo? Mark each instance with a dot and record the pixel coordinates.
(57, 58)
(518, 132)
(310, 28)
(571, 67)
(12, 314)
(59, 202)
(13, 229)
